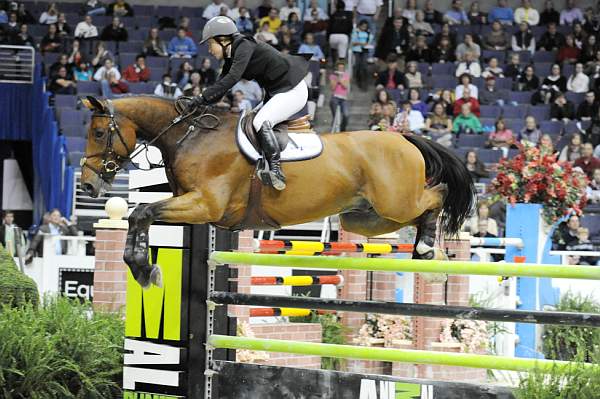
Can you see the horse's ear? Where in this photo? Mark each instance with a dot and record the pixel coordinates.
(93, 103)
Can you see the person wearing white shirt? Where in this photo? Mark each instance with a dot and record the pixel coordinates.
(214, 9)
(106, 69)
(286, 10)
(167, 88)
(579, 82)
(85, 29)
(368, 10)
(527, 14)
(409, 120)
(466, 82)
(469, 66)
(49, 16)
(314, 5)
(523, 40)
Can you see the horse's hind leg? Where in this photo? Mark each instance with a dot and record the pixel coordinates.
(368, 224)
(427, 226)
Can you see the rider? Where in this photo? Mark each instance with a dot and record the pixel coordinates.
(281, 76)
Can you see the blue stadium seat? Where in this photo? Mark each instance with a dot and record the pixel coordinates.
(167, 11)
(489, 156)
(524, 56)
(65, 101)
(88, 88)
(76, 144)
(140, 10)
(142, 88)
(158, 62)
(74, 131)
(510, 112)
(472, 140)
(576, 98)
(192, 12)
(521, 97)
(500, 55)
(544, 56)
(439, 69)
(443, 82)
(71, 117)
(553, 128)
(490, 111)
(591, 222)
(131, 46)
(539, 112)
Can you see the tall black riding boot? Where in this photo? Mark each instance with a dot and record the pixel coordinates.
(270, 147)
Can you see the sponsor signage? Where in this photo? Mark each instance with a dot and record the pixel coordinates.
(76, 283)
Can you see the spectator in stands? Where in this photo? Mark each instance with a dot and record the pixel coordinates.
(182, 46)
(213, 9)
(23, 38)
(584, 244)
(476, 16)
(240, 104)
(50, 16)
(391, 78)
(530, 133)
(528, 80)
(362, 41)
(385, 119)
(592, 134)
(501, 138)
(562, 109)
(244, 22)
(569, 52)
(523, 40)
(63, 61)
(110, 80)
(432, 15)
(321, 15)
(468, 46)
(393, 40)
(592, 23)
(106, 68)
(413, 76)
(408, 120)
(572, 151)
(578, 82)
(527, 14)
(62, 27)
(167, 88)
(340, 29)
(115, 31)
(375, 115)
(410, 11)
(571, 14)
(61, 84)
(51, 42)
(236, 11)
(265, 35)
(475, 167)
(414, 97)
(137, 72)
(289, 8)
(119, 9)
(382, 97)
(154, 46)
(263, 9)
(273, 19)
(546, 145)
(194, 82)
(366, 10)
(466, 122)
(93, 7)
(465, 81)
(497, 39)
(549, 15)
(588, 109)
(56, 225)
(514, 69)
(209, 76)
(589, 50)
(579, 35)
(83, 73)
(23, 15)
(483, 215)
(295, 26)
(251, 89)
(183, 74)
(339, 81)
(11, 235)
(316, 25)
(102, 54)
(593, 189)
(555, 81)
(439, 125)
(490, 95)
(551, 40)
(421, 26)
(443, 52)
(492, 69)
(566, 234)
(456, 15)
(310, 47)
(469, 66)
(12, 26)
(447, 33)
(467, 99)
(86, 29)
(501, 13)
(587, 162)
(419, 52)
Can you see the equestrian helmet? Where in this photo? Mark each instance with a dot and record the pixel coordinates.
(218, 26)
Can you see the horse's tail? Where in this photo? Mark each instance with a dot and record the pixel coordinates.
(443, 166)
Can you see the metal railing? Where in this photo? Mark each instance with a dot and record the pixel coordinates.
(17, 64)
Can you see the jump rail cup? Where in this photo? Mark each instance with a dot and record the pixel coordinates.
(410, 265)
(390, 355)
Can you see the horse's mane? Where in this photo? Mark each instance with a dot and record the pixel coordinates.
(219, 111)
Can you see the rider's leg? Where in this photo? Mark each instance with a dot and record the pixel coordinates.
(278, 109)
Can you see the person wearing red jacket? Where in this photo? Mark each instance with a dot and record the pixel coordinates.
(137, 72)
(587, 162)
(466, 98)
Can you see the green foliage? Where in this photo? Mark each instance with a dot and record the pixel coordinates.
(494, 328)
(60, 350)
(333, 332)
(572, 343)
(563, 383)
(16, 289)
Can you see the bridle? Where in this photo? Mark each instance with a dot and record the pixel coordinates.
(113, 162)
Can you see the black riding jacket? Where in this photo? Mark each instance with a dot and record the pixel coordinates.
(275, 72)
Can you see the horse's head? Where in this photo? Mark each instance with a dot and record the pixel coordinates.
(111, 139)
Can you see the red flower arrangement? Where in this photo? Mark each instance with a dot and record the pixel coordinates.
(536, 177)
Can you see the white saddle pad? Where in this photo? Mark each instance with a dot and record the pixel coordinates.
(302, 146)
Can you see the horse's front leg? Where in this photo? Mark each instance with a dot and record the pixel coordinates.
(188, 208)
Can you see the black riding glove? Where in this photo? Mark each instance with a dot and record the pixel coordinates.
(194, 103)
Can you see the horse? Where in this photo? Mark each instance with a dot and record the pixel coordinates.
(378, 182)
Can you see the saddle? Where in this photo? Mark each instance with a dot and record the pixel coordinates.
(298, 125)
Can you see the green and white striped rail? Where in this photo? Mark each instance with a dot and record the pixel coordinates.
(409, 265)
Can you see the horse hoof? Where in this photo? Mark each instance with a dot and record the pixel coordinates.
(156, 276)
(144, 281)
(439, 254)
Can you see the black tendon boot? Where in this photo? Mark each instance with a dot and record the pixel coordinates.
(270, 147)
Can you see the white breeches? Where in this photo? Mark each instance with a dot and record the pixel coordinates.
(282, 106)
(339, 41)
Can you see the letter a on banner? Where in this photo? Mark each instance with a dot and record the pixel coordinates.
(368, 389)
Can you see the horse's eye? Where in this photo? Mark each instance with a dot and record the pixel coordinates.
(99, 133)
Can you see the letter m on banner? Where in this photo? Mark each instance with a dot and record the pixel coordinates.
(155, 304)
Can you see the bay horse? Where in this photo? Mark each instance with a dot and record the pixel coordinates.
(377, 182)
